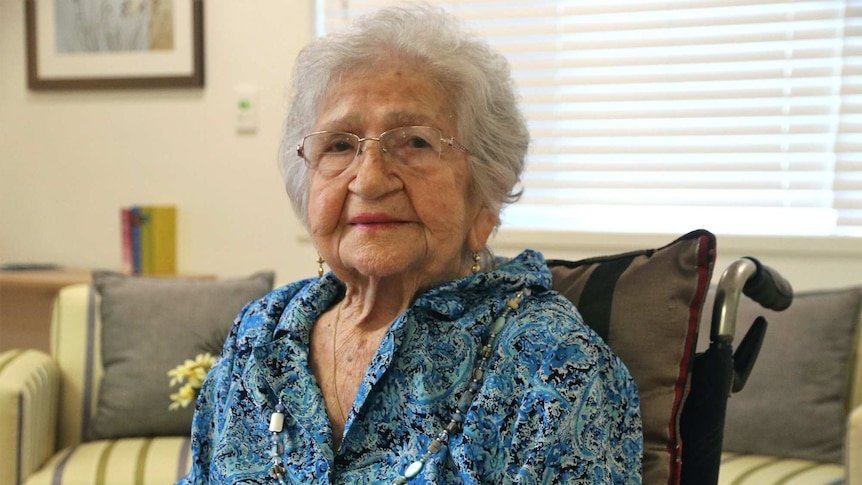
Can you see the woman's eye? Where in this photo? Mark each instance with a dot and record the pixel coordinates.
(417, 142)
(340, 146)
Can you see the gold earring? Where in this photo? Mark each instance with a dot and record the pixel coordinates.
(476, 268)
(319, 266)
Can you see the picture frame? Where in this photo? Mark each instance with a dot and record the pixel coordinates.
(114, 44)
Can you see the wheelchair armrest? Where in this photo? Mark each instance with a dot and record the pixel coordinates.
(29, 400)
(854, 447)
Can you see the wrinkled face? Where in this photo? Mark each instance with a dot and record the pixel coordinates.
(380, 219)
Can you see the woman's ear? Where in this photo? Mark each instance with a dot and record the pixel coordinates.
(483, 225)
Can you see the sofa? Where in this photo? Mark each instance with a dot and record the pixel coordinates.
(96, 409)
(798, 420)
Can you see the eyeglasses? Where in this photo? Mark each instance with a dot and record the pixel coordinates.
(405, 146)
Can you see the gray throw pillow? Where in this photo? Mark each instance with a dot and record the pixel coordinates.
(150, 326)
(794, 403)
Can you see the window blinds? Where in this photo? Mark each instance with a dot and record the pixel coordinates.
(741, 116)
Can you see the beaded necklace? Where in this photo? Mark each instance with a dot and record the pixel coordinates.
(276, 420)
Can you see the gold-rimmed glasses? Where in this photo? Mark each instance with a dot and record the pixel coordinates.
(406, 146)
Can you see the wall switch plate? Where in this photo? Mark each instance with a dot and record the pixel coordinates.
(246, 109)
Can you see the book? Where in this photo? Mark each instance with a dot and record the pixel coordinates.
(149, 239)
(126, 239)
(135, 236)
(146, 235)
(161, 240)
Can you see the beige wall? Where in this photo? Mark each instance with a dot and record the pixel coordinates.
(69, 160)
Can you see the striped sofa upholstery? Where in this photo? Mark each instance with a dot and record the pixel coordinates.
(46, 403)
(740, 469)
(124, 461)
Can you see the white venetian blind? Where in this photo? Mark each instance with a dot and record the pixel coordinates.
(741, 116)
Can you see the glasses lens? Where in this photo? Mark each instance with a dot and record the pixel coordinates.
(330, 150)
(412, 145)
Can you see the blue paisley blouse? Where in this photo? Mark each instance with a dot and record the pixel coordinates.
(555, 406)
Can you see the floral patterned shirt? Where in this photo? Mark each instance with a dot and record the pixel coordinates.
(555, 406)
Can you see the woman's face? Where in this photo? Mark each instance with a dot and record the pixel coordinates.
(376, 219)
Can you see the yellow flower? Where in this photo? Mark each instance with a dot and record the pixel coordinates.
(182, 398)
(190, 375)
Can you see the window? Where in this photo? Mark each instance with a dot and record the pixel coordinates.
(741, 116)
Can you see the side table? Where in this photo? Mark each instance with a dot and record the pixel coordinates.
(26, 301)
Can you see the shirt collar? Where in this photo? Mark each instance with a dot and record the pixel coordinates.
(526, 271)
(448, 300)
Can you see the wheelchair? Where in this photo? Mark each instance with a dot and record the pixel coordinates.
(647, 306)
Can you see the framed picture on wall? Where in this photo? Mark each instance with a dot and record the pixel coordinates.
(106, 44)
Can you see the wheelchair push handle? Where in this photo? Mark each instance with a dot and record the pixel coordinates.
(768, 287)
(759, 282)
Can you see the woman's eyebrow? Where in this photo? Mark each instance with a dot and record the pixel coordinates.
(339, 124)
(395, 119)
(407, 118)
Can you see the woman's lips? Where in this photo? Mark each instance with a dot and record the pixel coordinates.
(374, 221)
(373, 218)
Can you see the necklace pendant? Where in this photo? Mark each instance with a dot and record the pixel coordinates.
(413, 470)
(276, 422)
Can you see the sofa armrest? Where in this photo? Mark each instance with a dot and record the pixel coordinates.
(854, 447)
(29, 397)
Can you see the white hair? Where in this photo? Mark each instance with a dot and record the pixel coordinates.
(475, 77)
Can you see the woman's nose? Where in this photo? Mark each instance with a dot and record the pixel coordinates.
(374, 175)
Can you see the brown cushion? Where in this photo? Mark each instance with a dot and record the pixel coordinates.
(646, 305)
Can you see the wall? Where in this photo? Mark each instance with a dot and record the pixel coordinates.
(70, 159)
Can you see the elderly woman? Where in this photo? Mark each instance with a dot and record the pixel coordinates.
(419, 357)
